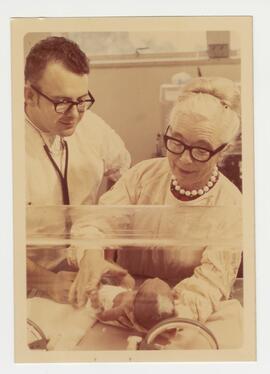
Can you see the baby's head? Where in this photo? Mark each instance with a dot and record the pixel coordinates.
(153, 302)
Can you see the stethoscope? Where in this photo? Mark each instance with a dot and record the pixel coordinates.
(64, 182)
(63, 178)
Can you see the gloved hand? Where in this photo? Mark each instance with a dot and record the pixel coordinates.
(91, 272)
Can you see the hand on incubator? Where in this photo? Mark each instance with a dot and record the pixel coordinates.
(93, 271)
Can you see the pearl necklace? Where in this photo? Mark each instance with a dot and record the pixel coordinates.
(213, 179)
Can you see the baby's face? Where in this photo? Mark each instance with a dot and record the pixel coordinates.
(154, 302)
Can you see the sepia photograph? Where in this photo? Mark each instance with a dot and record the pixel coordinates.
(133, 189)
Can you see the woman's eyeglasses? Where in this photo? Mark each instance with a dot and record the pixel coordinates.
(200, 154)
(63, 106)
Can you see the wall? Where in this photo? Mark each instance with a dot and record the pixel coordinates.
(127, 92)
(127, 96)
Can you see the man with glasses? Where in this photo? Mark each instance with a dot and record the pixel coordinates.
(68, 148)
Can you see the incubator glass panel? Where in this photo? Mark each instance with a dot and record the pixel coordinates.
(150, 242)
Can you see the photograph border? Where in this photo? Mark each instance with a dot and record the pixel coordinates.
(19, 28)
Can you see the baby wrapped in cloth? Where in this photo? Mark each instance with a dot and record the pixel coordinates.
(139, 309)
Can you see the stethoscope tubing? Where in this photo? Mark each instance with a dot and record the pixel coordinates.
(63, 178)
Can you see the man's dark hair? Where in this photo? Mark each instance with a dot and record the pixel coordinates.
(55, 49)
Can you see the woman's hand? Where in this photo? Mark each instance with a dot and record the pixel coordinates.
(90, 274)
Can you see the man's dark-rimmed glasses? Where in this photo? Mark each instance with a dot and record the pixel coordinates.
(63, 106)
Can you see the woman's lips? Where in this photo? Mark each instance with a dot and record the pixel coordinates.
(187, 172)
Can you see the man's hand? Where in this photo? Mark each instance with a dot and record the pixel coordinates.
(49, 284)
(59, 286)
(91, 274)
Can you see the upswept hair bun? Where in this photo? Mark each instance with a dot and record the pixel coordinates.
(223, 89)
(212, 99)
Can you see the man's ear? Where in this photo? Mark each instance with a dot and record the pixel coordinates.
(29, 95)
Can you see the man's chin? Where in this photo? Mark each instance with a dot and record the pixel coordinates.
(67, 132)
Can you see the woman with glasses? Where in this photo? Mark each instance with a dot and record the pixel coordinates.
(203, 123)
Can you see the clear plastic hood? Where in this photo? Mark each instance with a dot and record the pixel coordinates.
(133, 226)
(169, 243)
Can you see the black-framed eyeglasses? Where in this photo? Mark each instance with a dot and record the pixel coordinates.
(200, 154)
(63, 106)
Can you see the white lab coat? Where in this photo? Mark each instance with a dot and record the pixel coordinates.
(210, 271)
(94, 149)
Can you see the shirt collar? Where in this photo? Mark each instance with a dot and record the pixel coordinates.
(54, 142)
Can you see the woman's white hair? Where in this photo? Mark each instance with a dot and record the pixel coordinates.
(210, 99)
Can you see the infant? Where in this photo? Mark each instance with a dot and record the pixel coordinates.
(139, 309)
(153, 302)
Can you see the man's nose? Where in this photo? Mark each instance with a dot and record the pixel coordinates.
(73, 111)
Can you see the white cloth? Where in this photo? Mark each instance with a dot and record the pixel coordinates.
(210, 271)
(94, 149)
(62, 324)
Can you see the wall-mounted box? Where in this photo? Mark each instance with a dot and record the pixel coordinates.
(218, 43)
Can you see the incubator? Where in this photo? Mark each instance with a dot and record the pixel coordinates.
(150, 242)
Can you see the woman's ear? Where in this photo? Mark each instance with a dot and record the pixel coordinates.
(224, 152)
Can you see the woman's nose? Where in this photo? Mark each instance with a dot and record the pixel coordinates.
(186, 157)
